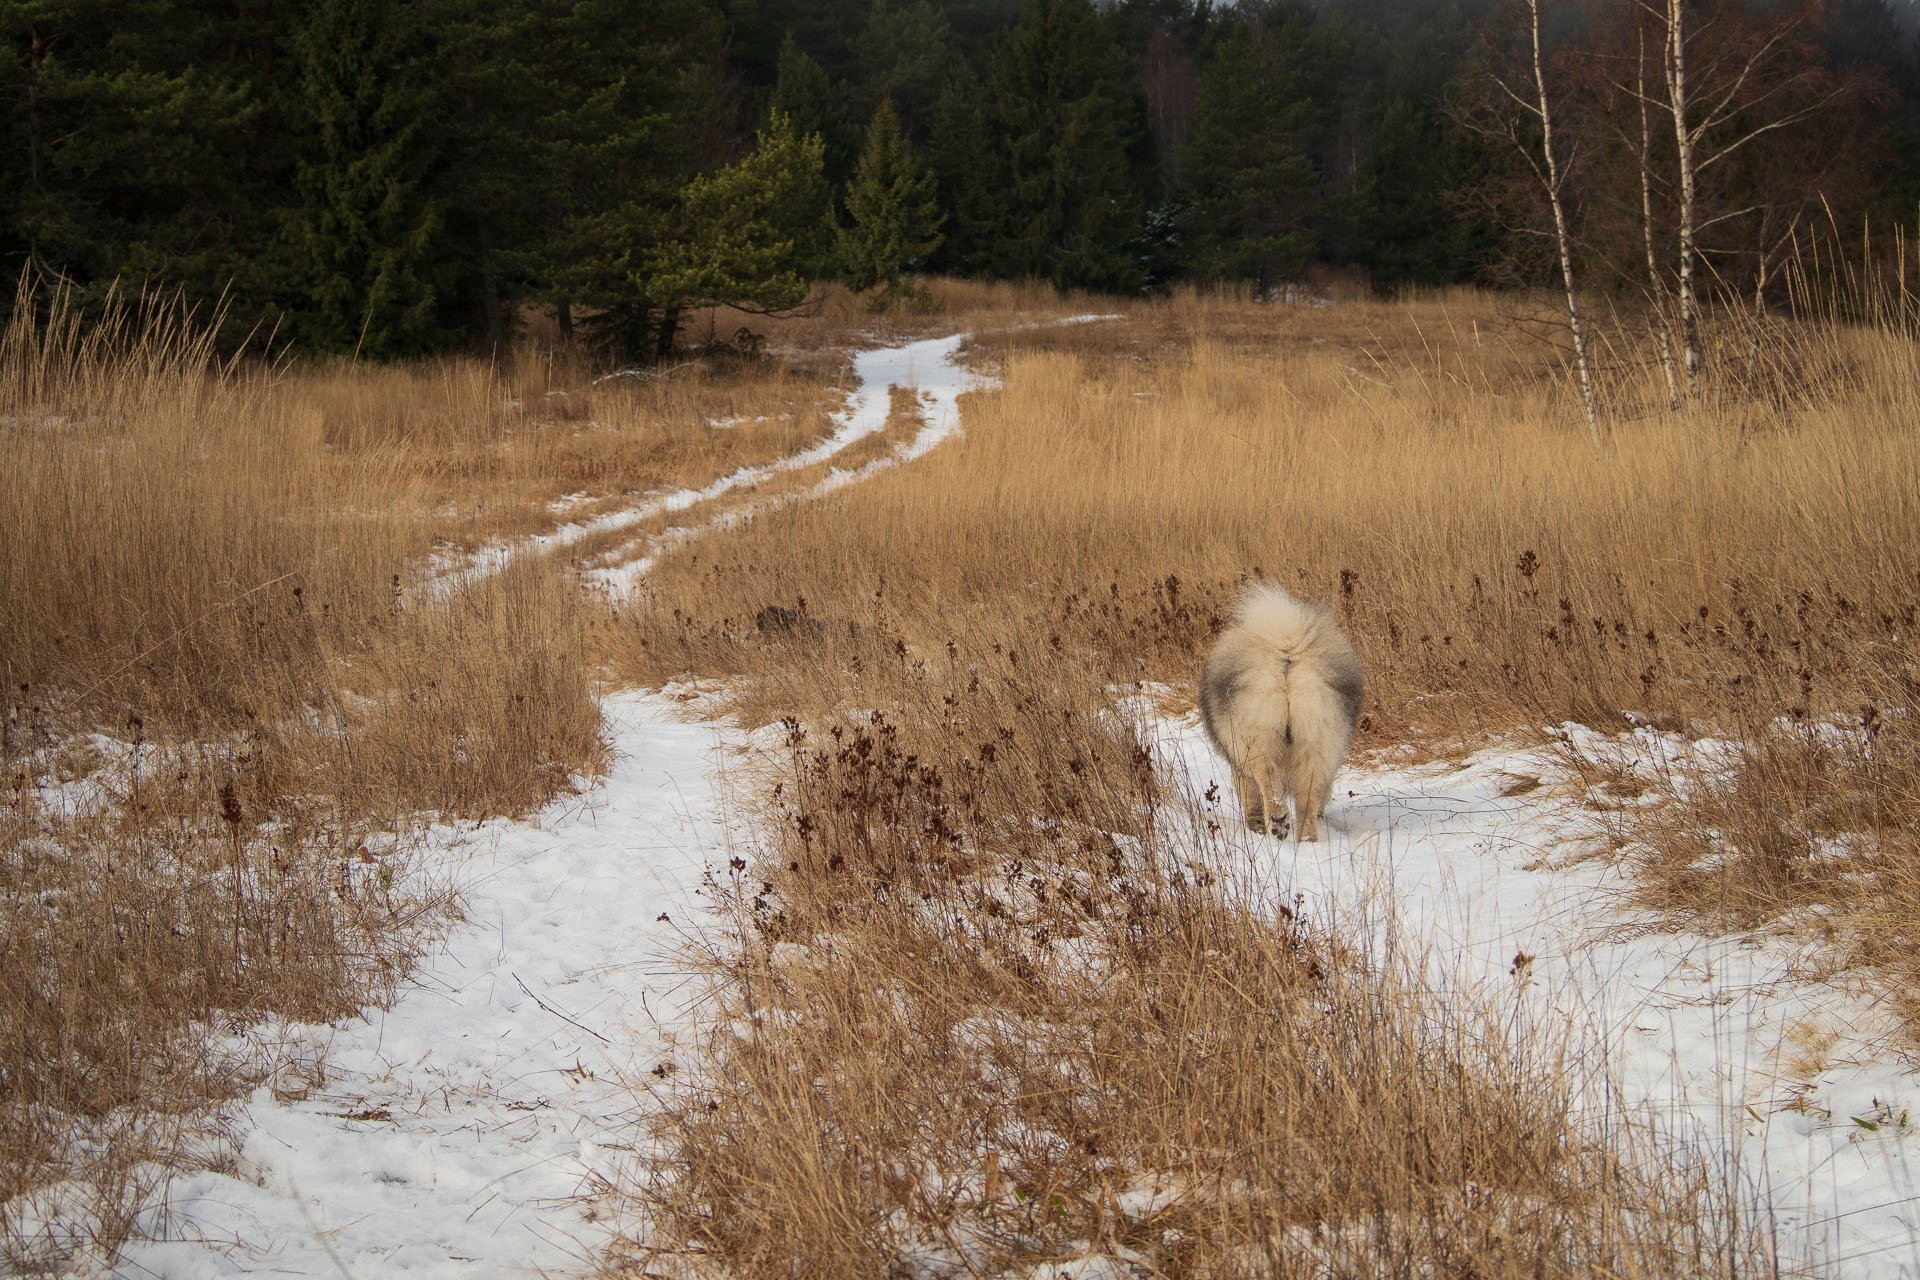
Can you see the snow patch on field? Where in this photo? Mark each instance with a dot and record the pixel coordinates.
(455, 1133)
(928, 366)
(1490, 887)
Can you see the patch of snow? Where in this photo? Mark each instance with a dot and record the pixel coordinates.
(454, 1133)
(865, 413)
(928, 365)
(1729, 1043)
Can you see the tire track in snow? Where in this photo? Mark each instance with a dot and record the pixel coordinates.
(927, 365)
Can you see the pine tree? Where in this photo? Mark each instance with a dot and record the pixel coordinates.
(635, 111)
(1404, 227)
(957, 148)
(895, 212)
(1058, 151)
(497, 178)
(362, 235)
(738, 232)
(904, 55)
(122, 132)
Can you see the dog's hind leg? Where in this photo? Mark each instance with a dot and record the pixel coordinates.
(1262, 800)
(1313, 787)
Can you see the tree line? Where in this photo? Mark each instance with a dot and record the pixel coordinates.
(392, 177)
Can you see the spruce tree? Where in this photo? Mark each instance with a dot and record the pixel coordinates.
(362, 235)
(1404, 228)
(122, 132)
(957, 148)
(497, 179)
(894, 210)
(801, 89)
(1251, 178)
(903, 54)
(634, 110)
(1058, 141)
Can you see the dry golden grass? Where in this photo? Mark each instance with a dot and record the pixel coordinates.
(502, 452)
(911, 1058)
(1788, 823)
(975, 996)
(836, 320)
(224, 713)
(1493, 570)
(988, 1000)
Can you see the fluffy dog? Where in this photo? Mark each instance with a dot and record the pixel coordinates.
(1280, 695)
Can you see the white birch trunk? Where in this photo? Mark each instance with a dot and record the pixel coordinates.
(1683, 141)
(1657, 290)
(1560, 233)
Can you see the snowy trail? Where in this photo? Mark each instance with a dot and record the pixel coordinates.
(927, 364)
(453, 1133)
(1480, 882)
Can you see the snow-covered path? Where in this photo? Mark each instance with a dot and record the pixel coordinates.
(927, 365)
(1480, 881)
(453, 1134)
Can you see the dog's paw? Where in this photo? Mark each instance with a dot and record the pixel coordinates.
(1279, 826)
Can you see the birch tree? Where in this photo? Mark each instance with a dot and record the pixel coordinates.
(1656, 286)
(1756, 87)
(1542, 157)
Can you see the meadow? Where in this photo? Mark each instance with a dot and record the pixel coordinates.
(240, 682)
(975, 1006)
(1012, 987)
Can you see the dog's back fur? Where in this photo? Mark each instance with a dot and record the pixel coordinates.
(1280, 695)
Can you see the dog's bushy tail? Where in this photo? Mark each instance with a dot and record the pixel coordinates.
(1292, 628)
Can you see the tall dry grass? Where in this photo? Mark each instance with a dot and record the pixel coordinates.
(510, 449)
(837, 319)
(1493, 570)
(990, 1000)
(913, 1069)
(224, 721)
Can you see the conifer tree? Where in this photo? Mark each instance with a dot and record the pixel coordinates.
(362, 236)
(739, 232)
(635, 111)
(1403, 226)
(802, 92)
(1249, 171)
(895, 213)
(1058, 146)
(903, 54)
(957, 145)
(121, 138)
(497, 179)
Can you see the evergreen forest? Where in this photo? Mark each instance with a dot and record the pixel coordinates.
(395, 177)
